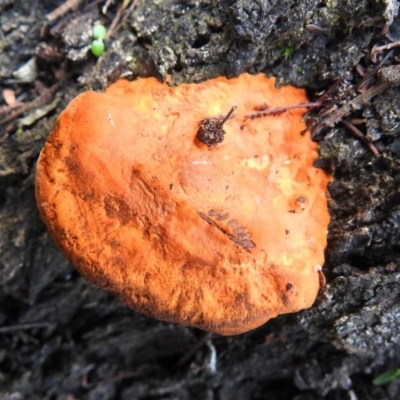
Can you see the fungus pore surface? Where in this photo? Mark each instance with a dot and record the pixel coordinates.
(221, 237)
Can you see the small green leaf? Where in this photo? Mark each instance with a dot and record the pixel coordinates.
(287, 52)
(99, 32)
(386, 377)
(98, 47)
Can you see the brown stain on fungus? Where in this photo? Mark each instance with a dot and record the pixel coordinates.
(221, 236)
(115, 207)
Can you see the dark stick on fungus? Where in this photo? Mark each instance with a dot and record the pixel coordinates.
(280, 110)
(233, 108)
(211, 132)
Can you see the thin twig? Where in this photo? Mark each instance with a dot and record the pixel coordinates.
(39, 101)
(25, 327)
(121, 375)
(193, 350)
(280, 110)
(354, 104)
(113, 27)
(7, 109)
(361, 136)
(106, 5)
(369, 75)
(63, 9)
(316, 29)
(333, 87)
(379, 49)
(121, 15)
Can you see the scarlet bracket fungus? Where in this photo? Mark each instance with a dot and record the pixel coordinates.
(223, 237)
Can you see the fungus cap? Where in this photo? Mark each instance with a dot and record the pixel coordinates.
(219, 237)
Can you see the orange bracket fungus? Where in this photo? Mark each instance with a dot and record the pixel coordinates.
(220, 231)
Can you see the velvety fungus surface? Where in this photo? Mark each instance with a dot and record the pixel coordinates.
(220, 237)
